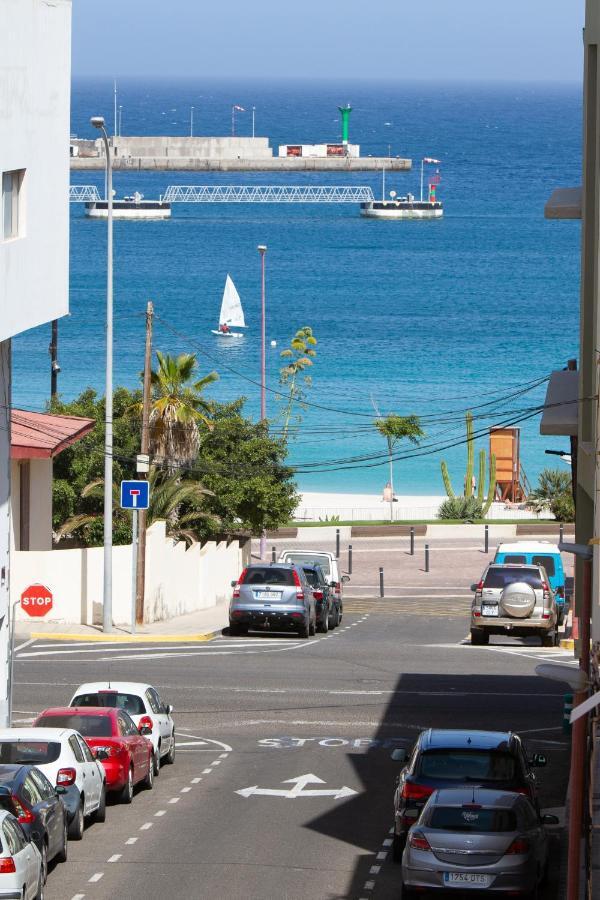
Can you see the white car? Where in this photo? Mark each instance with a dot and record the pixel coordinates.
(20, 862)
(330, 567)
(68, 764)
(145, 707)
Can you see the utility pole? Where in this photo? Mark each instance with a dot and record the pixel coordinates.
(140, 575)
(54, 366)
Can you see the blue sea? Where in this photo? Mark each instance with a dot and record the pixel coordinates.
(427, 318)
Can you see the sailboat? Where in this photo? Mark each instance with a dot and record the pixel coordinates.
(232, 314)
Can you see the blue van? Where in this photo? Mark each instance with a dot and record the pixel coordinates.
(538, 553)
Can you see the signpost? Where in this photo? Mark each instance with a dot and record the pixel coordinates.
(135, 495)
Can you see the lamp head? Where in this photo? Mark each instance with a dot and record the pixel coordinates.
(97, 121)
(262, 248)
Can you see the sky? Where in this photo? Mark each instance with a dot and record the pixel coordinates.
(450, 40)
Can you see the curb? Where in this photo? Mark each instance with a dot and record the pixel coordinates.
(567, 644)
(127, 638)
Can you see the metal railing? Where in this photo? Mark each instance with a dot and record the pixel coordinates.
(83, 193)
(240, 193)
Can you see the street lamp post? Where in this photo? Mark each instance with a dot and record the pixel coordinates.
(262, 249)
(98, 122)
(253, 111)
(192, 121)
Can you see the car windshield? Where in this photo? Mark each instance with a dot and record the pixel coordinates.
(467, 765)
(88, 726)
(309, 559)
(269, 575)
(501, 576)
(29, 752)
(547, 562)
(312, 577)
(472, 818)
(134, 705)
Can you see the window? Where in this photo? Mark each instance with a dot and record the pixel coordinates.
(74, 745)
(472, 818)
(30, 793)
(547, 562)
(12, 224)
(114, 699)
(28, 752)
(130, 728)
(463, 765)
(500, 577)
(267, 575)
(43, 785)
(88, 726)
(87, 753)
(309, 559)
(515, 558)
(154, 701)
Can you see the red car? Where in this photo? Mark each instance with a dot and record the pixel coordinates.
(115, 740)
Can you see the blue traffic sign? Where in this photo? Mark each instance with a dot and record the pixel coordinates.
(135, 494)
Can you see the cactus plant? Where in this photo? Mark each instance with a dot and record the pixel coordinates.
(468, 487)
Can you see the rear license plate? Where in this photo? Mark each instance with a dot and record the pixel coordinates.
(267, 595)
(489, 609)
(467, 879)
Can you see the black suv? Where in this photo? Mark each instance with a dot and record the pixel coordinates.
(326, 608)
(444, 758)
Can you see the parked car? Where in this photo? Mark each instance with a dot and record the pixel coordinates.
(21, 873)
(538, 553)
(326, 608)
(144, 705)
(124, 751)
(469, 838)
(515, 600)
(26, 793)
(330, 567)
(67, 762)
(448, 758)
(272, 596)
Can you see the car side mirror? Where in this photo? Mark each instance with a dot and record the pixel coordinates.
(345, 578)
(145, 729)
(168, 709)
(233, 583)
(399, 755)
(473, 587)
(100, 754)
(538, 760)
(550, 820)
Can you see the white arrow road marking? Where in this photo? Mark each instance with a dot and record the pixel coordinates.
(299, 789)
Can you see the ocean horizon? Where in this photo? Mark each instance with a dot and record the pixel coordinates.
(427, 318)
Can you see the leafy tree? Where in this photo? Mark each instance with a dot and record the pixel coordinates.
(178, 409)
(395, 428)
(553, 484)
(299, 357)
(252, 488)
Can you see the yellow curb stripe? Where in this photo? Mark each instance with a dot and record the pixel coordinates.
(567, 644)
(126, 638)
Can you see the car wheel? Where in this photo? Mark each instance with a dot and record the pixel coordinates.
(323, 626)
(156, 761)
(479, 637)
(170, 759)
(127, 791)
(304, 630)
(61, 856)
(148, 781)
(398, 844)
(100, 814)
(77, 824)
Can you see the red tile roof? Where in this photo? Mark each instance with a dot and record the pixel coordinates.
(42, 435)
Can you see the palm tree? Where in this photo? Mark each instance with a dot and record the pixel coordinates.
(552, 485)
(394, 428)
(178, 409)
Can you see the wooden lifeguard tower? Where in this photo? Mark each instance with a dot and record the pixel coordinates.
(511, 482)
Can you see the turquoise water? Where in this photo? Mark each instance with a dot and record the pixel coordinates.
(417, 317)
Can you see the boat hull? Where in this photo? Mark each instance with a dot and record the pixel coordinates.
(145, 209)
(383, 209)
(227, 334)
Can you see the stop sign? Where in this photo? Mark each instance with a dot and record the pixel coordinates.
(36, 600)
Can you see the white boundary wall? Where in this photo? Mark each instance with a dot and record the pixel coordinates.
(178, 580)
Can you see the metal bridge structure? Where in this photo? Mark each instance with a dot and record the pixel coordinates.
(83, 193)
(243, 193)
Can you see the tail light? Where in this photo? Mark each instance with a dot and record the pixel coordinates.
(23, 813)
(146, 722)
(412, 791)
(7, 865)
(418, 841)
(546, 590)
(479, 588)
(236, 590)
(519, 847)
(65, 777)
(337, 587)
(318, 595)
(298, 583)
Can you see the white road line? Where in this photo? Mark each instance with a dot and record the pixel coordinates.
(131, 841)
(382, 854)
(160, 812)
(196, 780)
(96, 877)
(174, 799)
(388, 842)
(114, 858)
(185, 790)
(223, 755)
(198, 737)
(369, 885)
(206, 771)
(217, 762)
(146, 826)
(374, 870)
(25, 644)
(77, 896)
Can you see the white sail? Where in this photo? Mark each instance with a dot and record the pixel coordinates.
(231, 307)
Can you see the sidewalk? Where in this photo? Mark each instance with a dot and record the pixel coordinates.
(202, 625)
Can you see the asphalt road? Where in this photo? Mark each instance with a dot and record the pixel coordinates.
(279, 714)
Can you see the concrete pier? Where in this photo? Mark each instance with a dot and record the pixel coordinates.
(266, 164)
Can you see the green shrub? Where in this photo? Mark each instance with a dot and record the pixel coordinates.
(563, 508)
(467, 509)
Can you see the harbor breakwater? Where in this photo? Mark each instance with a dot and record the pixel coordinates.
(268, 164)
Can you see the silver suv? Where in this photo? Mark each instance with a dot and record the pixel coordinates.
(276, 597)
(515, 600)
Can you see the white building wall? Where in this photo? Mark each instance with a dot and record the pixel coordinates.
(35, 73)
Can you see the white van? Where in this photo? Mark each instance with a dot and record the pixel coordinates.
(328, 563)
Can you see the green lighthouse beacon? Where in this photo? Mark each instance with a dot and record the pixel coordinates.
(345, 111)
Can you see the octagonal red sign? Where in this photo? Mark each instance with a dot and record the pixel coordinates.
(36, 600)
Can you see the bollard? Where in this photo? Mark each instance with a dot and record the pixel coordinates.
(412, 541)
(487, 538)
(273, 555)
(561, 532)
(381, 591)
(567, 708)
(349, 559)
(427, 557)
(337, 543)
